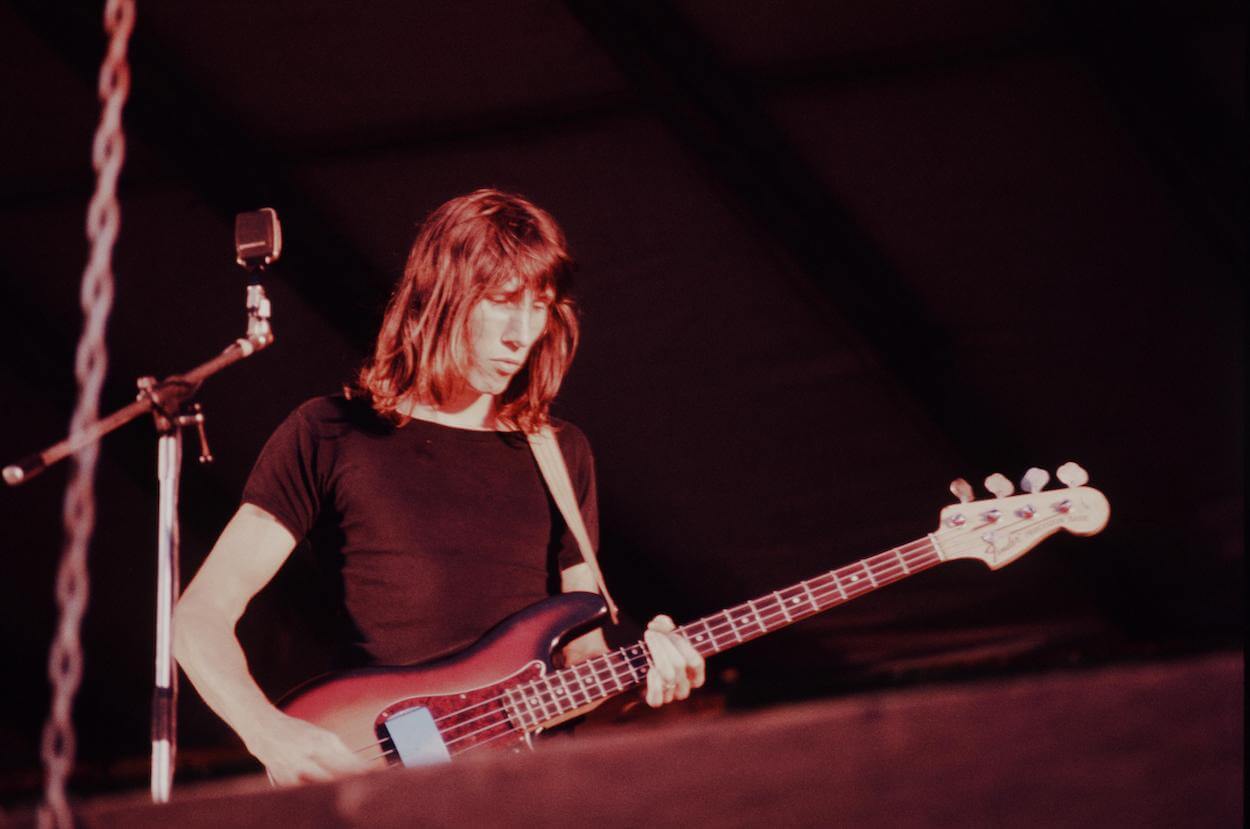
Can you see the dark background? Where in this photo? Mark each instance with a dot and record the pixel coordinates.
(831, 256)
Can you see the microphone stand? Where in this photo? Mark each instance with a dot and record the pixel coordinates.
(166, 400)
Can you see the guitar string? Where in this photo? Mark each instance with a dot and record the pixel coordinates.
(880, 576)
(512, 729)
(723, 625)
(598, 664)
(767, 617)
(509, 728)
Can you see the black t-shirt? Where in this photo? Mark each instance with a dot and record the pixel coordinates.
(431, 534)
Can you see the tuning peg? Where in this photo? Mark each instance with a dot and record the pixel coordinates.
(999, 485)
(1071, 474)
(962, 490)
(1034, 480)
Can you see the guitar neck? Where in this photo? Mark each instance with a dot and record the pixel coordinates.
(600, 677)
(781, 608)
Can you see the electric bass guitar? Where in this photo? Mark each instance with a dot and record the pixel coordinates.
(504, 689)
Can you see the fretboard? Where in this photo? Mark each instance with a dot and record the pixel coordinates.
(561, 692)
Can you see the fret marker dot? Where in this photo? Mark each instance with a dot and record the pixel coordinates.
(699, 638)
(854, 578)
(795, 600)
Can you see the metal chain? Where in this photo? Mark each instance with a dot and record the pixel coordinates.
(91, 362)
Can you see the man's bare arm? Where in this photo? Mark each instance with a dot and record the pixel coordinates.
(246, 556)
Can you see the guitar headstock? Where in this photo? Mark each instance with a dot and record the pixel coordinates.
(1001, 529)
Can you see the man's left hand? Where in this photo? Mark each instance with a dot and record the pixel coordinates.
(676, 666)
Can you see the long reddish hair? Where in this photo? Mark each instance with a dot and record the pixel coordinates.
(469, 247)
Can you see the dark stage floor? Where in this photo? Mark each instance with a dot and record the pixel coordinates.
(1142, 745)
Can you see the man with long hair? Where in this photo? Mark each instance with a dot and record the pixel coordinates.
(417, 487)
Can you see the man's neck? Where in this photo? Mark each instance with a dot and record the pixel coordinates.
(468, 410)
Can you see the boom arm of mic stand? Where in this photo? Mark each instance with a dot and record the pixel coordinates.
(167, 394)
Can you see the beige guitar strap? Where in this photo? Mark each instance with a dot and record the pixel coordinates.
(555, 472)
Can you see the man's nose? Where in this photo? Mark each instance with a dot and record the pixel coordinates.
(519, 332)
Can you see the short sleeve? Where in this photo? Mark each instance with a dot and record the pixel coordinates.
(581, 464)
(287, 480)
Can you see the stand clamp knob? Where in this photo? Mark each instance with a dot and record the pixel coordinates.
(197, 417)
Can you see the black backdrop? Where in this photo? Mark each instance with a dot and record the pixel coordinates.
(830, 258)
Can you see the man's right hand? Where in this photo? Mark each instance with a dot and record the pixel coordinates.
(294, 751)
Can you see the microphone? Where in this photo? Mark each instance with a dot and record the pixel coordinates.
(257, 238)
(257, 244)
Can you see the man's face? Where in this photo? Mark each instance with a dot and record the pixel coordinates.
(503, 326)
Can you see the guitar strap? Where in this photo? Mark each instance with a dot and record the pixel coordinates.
(555, 472)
